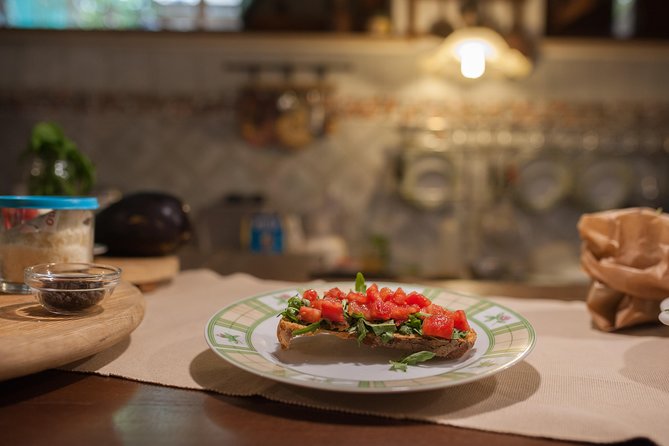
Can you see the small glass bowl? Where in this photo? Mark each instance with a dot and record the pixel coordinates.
(71, 288)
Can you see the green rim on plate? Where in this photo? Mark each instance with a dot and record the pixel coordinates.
(244, 334)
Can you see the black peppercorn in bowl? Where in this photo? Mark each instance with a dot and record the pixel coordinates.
(71, 288)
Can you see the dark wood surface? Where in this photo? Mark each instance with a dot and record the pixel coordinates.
(66, 408)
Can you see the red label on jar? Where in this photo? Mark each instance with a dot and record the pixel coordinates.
(12, 217)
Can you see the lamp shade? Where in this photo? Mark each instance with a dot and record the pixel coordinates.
(473, 52)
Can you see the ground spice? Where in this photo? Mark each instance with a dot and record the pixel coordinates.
(76, 295)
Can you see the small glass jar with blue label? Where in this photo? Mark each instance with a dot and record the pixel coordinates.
(43, 229)
(265, 233)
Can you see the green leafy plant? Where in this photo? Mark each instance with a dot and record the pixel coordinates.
(58, 167)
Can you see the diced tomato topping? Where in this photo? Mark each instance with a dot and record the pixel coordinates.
(310, 295)
(383, 304)
(335, 293)
(380, 310)
(356, 308)
(357, 297)
(399, 297)
(415, 298)
(460, 320)
(310, 314)
(440, 326)
(386, 293)
(400, 313)
(332, 310)
(435, 309)
(373, 293)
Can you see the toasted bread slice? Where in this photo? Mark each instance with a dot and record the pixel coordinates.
(444, 348)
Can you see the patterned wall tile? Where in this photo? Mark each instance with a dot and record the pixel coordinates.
(193, 148)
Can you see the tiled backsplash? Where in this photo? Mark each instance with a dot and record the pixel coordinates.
(153, 115)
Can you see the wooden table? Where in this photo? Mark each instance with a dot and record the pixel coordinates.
(56, 407)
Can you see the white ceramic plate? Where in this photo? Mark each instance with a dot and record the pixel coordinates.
(244, 334)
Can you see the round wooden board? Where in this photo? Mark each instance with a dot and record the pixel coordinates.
(144, 272)
(32, 339)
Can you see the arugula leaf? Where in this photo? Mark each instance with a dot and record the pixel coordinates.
(413, 325)
(412, 359)
(293, 309)
(291, 313)
(297, 302)
(383, 330)
(344, 307)
(360, 286)
(405, 330)
(311, 327)
(397, 366)
(382, 327)
(361, 329)
(386, 337)
(417, 357)
(458, 334)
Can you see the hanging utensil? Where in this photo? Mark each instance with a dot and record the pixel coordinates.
(292, 122)
(518, 37)
(442, 26)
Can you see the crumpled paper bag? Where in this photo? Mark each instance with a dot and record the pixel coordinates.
(626, 253)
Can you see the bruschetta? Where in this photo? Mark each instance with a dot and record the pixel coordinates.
(379, 317)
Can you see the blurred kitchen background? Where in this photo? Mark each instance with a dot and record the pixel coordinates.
(319, 138)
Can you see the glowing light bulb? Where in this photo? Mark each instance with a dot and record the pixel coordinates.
(472, 59)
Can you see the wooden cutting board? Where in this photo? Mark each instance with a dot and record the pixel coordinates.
(32, 339)
(144, 272)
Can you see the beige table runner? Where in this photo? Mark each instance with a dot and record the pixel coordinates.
(578, 383)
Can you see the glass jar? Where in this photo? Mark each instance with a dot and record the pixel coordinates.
(71, 288)
(43, 229)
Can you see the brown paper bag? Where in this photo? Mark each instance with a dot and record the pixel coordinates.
(626, 253)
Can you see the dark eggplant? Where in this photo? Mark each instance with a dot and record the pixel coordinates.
(143, 224)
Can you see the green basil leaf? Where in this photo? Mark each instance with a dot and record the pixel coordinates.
(360, 286)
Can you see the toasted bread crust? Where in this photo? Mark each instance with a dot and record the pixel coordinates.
(444, 348)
